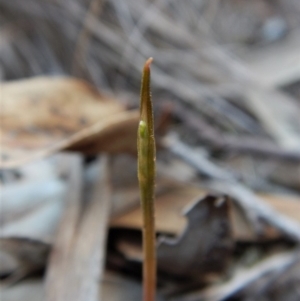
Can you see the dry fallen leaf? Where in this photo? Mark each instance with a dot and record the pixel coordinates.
(170, 204)
(199, 253)
(43, 115)
(204, 248)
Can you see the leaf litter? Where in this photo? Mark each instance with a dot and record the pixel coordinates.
(61, 113)
(224, 78)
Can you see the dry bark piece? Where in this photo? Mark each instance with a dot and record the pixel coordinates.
(88, 257)
(77, 260)
(204, 248)
(63, 245)
(43, 115)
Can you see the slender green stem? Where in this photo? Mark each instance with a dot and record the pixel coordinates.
(146, 175)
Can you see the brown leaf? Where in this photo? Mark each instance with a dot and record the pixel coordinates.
(204, 248)
(43, 115)
(170, 204)
(168, 208)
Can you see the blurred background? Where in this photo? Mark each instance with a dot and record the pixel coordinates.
(226, 96)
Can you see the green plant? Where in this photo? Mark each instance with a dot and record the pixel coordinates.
(146, 176)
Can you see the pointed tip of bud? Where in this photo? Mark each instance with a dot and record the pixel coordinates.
(148, 63)
(145, 101)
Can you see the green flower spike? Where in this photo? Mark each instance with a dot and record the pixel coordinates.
(146, 176)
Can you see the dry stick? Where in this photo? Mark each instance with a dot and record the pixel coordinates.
(146, 175)
(255, 208)
(63, 246)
